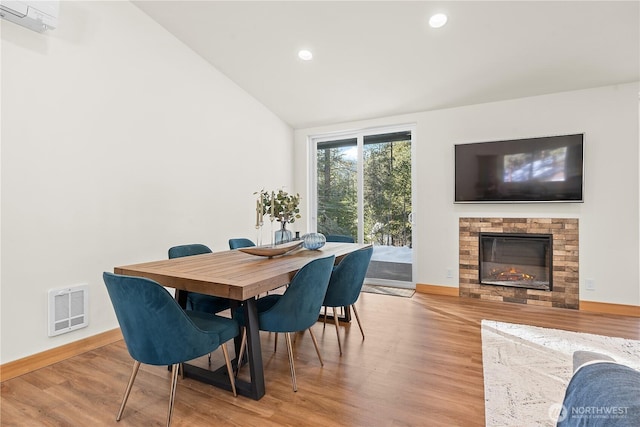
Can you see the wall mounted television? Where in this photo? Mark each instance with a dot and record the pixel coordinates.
(546, 169)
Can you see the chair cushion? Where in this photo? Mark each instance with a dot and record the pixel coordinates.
(226, 328)
(206, 303)
(262, 304)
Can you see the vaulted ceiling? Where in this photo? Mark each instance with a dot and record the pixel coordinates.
(381, 58)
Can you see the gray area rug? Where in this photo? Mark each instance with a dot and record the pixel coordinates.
(527, 369)
(388, 290)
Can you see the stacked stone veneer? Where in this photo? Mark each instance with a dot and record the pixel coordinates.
(565, 260)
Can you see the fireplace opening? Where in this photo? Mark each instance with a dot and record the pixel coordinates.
(518, 260)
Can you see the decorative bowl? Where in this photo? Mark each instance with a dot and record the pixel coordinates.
(313, 241)
(271, 251)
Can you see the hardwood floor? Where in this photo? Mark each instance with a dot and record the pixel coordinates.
(420, 365)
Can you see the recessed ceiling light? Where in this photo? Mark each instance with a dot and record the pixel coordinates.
(305, 55)
(438, 20)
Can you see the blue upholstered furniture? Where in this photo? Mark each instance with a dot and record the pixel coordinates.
(297, 309)
(345, 285)
(601, 393)
(157, 331)
(240, 242)
(339, 238)
(196, 301)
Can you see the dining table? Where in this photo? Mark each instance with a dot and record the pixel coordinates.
(242, 278)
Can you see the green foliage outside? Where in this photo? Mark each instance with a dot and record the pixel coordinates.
(387, 193)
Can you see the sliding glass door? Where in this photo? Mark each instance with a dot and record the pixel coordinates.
(363, 184)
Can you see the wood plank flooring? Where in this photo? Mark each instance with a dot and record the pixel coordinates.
(420, 365)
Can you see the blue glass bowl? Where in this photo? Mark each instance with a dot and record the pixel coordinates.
(313, 241)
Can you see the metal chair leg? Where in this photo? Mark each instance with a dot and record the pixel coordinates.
(132, 378)
(315, 343)
(290, 351)
(275, 343)
(172, 393)
(227, 360)
(335, 320)
(324, 323)
(358, 319)
(243, 345)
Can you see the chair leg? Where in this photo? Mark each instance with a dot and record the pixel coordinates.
(225, 351)
(324, 323)
(315, 343)
(243, 345)
(335, 320)
(358, 319)
(172, 393)
(132, 378)
(290, 351)
(275, 343)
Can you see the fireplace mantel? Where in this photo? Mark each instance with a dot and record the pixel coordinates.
(565, 293)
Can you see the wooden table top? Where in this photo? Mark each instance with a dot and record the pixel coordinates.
(233, 274)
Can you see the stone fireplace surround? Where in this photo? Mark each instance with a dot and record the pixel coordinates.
(565, 293)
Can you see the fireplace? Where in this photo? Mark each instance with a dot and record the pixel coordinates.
(563, 266)
(520, 260)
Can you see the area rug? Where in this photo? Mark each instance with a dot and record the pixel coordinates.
(388, 290)
(527, 368)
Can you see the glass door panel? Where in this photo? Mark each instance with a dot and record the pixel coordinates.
(387, 205)
(337, 188)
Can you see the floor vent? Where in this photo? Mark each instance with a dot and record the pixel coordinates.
(68, 309)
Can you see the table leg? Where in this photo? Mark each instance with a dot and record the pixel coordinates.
(219, 377)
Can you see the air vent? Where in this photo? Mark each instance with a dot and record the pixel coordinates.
(68, 309)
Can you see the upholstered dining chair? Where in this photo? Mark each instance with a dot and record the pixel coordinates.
(240, 242)
(339, 238)
(345, 286)
(157, 331)
(196, 301)
(296, 309)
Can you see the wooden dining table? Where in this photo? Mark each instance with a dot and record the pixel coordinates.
(241, 277)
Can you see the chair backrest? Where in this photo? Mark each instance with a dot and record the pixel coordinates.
(299, 306)
(188, 250)
(347, 278)
(339, 238)
(156, 330)
(240, 243)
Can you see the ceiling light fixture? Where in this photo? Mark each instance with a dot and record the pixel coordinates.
(305, 55)
(438, 20)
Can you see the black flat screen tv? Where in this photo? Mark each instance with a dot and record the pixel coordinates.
(547, 169)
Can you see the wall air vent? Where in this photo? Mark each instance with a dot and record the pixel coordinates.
(68, 309)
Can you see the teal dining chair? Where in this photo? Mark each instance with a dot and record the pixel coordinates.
(296, 309)
(197, 301)
(345, 285)
(157, 331)
(240, 242)
(339, 238)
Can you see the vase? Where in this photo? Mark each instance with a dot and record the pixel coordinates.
(313, 241)
(283, 235)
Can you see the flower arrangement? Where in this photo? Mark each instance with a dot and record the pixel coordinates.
(284, 206)
(280, 206)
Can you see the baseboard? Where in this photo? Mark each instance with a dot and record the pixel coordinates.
(437, 290)
(607, 308)
(49, 357)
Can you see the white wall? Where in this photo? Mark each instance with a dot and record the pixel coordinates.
(609, 249)
(117, 142)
